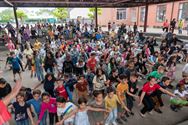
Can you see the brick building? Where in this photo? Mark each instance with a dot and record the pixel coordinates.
(157, 14)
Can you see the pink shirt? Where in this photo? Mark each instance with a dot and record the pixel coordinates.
(5, 116)
(50, 106)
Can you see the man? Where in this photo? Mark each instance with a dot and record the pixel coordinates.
(173, 25)
(165, 26)
(180, 26)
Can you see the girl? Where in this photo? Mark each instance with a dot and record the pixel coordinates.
(49, 84)
(81, 117)
(99, 80)
(98, 117)
(82, 87)
(171, 67)
(148, 90)
(111, 65)
(5, 116)
(22, 110)
(48, 103)
(59, 60)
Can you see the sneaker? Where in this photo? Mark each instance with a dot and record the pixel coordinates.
(114, 123)
(151, 113)
(173, 108)
(158, 111)
(124, 119)
(142, 115)
(119, 121)
(132, 113)
(126, 114)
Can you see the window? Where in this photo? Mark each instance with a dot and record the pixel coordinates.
(161, 13)
(121, 14)
(183, 11)
(133, 14)
(142, 14)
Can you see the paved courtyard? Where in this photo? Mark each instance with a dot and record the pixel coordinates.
(168, 117)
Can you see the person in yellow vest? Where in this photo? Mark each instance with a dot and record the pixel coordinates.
(180, 26)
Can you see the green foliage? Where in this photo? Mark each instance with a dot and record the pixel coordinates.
(91, 13)
(21, 14)
(7, 15)
(60, 13)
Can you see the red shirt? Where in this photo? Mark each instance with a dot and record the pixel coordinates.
(148, 89)
(91, 63)
(82, 87)
(5, 116)
(62, 92)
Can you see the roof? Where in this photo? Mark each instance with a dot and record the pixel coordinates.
(80, 3)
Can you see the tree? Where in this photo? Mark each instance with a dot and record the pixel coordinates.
(60, 13)
(21, 15)
(91, 13)
(7, 15)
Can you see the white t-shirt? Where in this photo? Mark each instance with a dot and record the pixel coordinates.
(69, 106)
(180, 94)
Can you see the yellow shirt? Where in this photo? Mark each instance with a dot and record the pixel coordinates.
(111, 103)
(122, 88)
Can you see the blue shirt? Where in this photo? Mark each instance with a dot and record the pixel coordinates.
(15, 63)
(36, 104)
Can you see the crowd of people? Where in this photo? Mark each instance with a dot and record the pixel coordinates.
(84, 70)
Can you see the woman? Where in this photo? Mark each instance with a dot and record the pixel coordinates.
(148, 91)
(99, 80)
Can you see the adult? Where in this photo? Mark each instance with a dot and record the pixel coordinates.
(165, 26)
(173, 25)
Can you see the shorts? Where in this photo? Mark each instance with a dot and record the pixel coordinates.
(16, 71)
(179, 102)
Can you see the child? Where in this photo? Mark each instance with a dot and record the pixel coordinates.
(16, 65)
(81, 117)
(181, 100)
(157, 74)
(60, 90)
(64, 109)
(8, 61)
(123, 89)
(81, 87)
(133, 88)
(98, 117)
(22, 111)
(48, 103)
(111, 101)
(36, 105)
(171, 67)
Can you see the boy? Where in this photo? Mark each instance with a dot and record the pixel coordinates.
(165, 82)
(157, 74)
(60, 90)
(36, 104)
(64, 109)
(16, 64)
(123, 89)
(181, 100)
(133, 88)
(111, 101)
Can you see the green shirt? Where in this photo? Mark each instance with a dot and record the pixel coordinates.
(156, 75)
